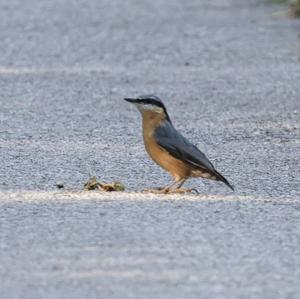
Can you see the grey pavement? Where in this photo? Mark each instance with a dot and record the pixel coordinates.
(228, 72)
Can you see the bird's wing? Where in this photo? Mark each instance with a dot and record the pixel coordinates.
(179, 147)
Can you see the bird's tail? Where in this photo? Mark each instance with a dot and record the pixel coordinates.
(222, 179)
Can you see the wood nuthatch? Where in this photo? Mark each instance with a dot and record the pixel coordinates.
(169, 149)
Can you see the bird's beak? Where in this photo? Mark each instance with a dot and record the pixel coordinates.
(131, 100)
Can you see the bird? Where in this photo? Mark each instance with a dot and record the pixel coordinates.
(170, 149)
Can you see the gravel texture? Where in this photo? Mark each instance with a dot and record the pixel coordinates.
(228, 72)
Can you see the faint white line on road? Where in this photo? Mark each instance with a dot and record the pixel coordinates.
(137, 275)
(77, 196)
(63, 69)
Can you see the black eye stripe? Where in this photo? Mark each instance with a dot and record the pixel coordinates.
(156, 102)
(152, 102)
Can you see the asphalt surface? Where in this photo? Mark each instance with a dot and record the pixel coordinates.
(228, 72)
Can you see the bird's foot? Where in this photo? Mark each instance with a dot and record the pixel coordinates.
(156, 191)
(183, 191)
(170, 191)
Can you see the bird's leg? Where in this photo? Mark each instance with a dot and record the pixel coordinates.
(182, 181)
(179, 183)
(162, 190)
(178, 190)
(168, 189)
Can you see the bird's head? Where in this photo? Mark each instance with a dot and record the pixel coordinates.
(149, 104)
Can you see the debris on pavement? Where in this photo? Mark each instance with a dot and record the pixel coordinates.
(93, 184)
(60, 185)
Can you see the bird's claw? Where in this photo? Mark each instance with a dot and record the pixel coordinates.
(156, 191)
(183, 191)
(170, 191)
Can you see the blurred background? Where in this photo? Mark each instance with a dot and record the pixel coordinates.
(228, 72)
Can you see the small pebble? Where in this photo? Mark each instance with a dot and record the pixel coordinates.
(60, 185)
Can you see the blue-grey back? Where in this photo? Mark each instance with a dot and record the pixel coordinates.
(178, 146)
